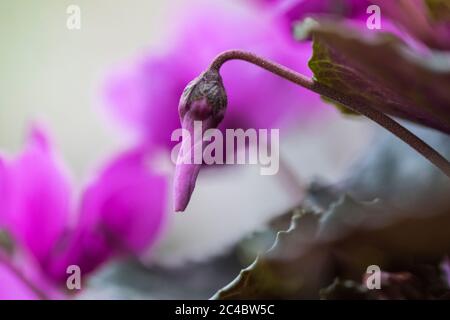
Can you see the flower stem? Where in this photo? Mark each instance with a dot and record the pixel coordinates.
(383, 120)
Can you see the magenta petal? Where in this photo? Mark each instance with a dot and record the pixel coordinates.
(133, 93)
(201, 107)
(186, 170)
(38, 197)
(184, 178)
(85, 247)
(145, 95)
(12, 287)
(122, 211)
(297, 10)
(127, 201)
(22, 278)
(413, 16)
(3, 193)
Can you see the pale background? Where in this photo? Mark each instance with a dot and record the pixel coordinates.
(53, 75)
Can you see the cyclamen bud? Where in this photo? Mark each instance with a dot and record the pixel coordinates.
(205, 100)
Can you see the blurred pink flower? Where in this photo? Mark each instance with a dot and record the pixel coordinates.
(120, 211)
(412, 16)
(296, 10)
(416, 19)
(13, 286)
(145, 94)
(22, 279)
(37, 197)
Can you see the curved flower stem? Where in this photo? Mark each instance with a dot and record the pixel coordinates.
(383, 120)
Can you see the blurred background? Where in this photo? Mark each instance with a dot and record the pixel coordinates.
(56, 77)
(54, 74)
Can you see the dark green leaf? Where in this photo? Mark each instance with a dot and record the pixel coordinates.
(381, 72)
(341, 241)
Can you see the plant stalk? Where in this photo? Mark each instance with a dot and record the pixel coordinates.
(383, 120)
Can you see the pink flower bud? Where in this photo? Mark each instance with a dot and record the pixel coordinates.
(205, 100)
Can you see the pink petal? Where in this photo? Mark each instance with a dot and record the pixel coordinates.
(128, 200)
(146, 94)
(38, 197)
(121, 212)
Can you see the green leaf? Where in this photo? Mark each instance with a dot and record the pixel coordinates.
(344, 290)
(277, 273)
(340, 241)
(422, 282)
(382, 73)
